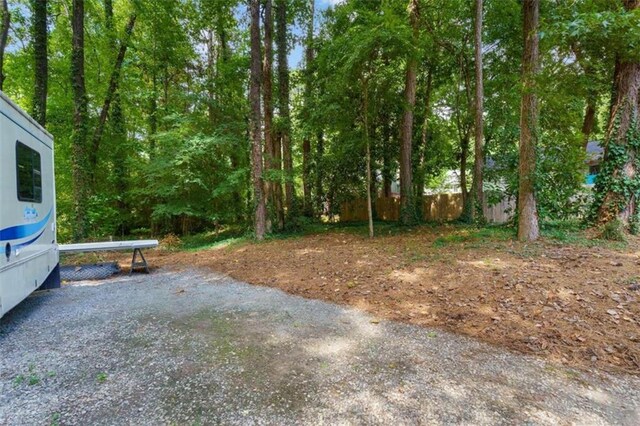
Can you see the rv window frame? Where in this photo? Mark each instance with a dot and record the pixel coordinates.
(36, 154)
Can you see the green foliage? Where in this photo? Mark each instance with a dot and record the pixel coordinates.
(175, 153)
(614, 188)
(613, 231)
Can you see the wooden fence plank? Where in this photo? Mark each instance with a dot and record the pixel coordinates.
(435, 208)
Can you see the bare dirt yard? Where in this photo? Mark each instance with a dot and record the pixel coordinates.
(570, 299)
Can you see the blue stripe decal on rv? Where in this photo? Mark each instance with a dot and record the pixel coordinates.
(21, 231)
(28, 243)
(23, 128)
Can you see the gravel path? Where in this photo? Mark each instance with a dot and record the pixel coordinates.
(197, 348)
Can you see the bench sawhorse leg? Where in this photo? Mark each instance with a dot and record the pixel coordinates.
(138, 264)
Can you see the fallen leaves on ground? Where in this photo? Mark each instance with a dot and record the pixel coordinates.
(573, 304)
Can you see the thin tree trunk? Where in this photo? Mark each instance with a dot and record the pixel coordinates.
(319, 196)
(407, 202)
(153, 116)
(387, 173)
(119, 136)
(623, 130)
(306, 176)
(277, 184)
(79, 135)
(477, 205)
(590, 111)
(589, 120)
(114, 80)
(365, 114)
(306, 143)
(5, 23)
(422, 149)
(39, 111)
(528, 228)
(464, 155)
(267, 97)
(283, 107)
(255, 123)
(120, 164)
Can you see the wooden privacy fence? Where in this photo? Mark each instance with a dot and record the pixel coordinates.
(435, 208)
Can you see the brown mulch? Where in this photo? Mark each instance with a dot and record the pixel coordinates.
(572, 304)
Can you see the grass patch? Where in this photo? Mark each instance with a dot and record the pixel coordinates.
(478, 236)
(211, 239)
(573, 232)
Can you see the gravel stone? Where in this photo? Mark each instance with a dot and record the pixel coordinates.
(200, 348)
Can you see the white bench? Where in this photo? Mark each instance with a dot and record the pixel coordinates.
(135, 245)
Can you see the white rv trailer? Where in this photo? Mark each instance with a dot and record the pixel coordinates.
(29, 257)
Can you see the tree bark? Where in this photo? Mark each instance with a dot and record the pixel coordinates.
(528, 228)
(589, 120)
(477, 205)
(590, 110)
(114, 80)
(39, 111)
(407, 202)
(79, 135)
(283, 106)
(267, 97)
(387, 141)
(308, 93)
(365, 119)
(5, 23)
(623, 130)
(422, 148)
(153, 116)
(306, 176)
(464, 155)
(260, 210)
(120, 165)
(319, 195)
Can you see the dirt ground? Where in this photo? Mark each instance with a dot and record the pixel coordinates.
(568, 302)
(199, 348)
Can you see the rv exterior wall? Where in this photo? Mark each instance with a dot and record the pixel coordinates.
(28, 247)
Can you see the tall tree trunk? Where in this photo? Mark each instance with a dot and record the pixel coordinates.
(255, 123)
(528, 228)
(365, 119)
(114, 80)
(79, 135)
(284, 140)
(120, 165)
(407, 202)
(422, 148)
(278, 196)
(153, 116)
(119, 135)
(267, 96)
(464, 155)
(306, 176)
(589, 119)
(387, 141)
(590, 110)
(477, 204)
(308, 93)
(39, 111)
(319, 195)
(5, 23)
(617, 186)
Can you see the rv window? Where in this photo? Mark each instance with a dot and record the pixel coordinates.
(29, 174)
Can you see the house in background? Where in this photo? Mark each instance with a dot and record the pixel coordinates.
(595, 154)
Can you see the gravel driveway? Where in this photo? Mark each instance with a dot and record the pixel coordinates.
(199, 348)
